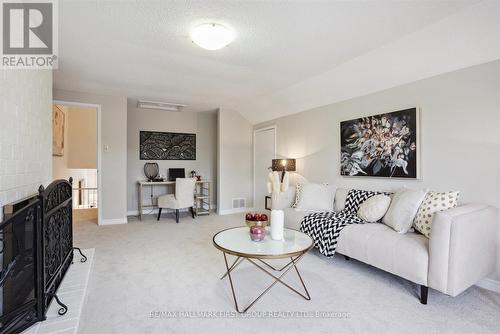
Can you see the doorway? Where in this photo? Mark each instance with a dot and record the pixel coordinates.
(76, 154)
(264, 149)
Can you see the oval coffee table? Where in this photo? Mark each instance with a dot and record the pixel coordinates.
(236, 241)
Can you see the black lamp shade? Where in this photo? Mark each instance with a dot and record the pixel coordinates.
(151, 170)
(281, 165)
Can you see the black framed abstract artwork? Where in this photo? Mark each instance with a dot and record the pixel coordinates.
(384, 145)
(167, 146)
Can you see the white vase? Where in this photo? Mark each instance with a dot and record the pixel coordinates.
(277, 224)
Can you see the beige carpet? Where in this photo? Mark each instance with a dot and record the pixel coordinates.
(145, 272)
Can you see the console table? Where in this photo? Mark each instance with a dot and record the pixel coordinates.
(202, 195)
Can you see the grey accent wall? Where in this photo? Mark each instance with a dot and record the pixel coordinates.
(235, 166)
(25, 133)
(460, 142)
(204, 124)
(114, 161)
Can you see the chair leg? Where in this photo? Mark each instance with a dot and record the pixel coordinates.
(424, 291)
(177, 216)
(159, 214)
(192, 211)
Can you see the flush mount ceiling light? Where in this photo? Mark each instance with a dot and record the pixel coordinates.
(167, 106)
(212, 36)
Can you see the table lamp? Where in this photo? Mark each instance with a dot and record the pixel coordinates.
(283, 165)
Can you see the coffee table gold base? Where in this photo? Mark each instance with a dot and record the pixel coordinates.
(277, 279)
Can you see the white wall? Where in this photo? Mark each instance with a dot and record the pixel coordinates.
(25, 133)
(203, 124)
(465, 38)
(235, 167)
(114, 161)
(460, 142)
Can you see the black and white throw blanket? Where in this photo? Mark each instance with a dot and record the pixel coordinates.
(325, 227)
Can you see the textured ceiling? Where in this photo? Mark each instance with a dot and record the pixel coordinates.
(142, 49)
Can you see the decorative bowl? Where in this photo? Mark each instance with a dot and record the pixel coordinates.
(256, 219)
(262, 223)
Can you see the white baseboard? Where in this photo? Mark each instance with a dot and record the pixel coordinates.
(144, 212)
(113, 221)
(150, 212)
(489, 284)
(233, 211)
(154, 211)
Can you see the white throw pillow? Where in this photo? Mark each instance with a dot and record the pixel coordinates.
(316, 197)
(433, 202)
(403, 209)
(374, 208)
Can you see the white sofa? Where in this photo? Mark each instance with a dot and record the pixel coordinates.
(460, 251)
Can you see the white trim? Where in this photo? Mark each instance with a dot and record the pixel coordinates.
(99, 151)
(219, 165)
(489, 284)
(233, 211)
(267, 128)
(113, 221)
(144, 212)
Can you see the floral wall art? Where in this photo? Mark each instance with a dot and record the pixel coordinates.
(384, 145)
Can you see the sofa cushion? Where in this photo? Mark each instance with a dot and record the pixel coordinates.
(355, 198)
(316, 197)
(433, 202)
(298, 192)
(282, 200)
(373, 209)
(293, 217)
(405, 255)
(403, 209)
(340, 197)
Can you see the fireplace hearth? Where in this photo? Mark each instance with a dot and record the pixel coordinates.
(36, 250)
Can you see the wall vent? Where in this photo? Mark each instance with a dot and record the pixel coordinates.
(239, 203)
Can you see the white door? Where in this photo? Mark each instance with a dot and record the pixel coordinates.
(264, 152)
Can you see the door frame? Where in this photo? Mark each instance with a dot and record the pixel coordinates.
(255, 131)
(99, 151)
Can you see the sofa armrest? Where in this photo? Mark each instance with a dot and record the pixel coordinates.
(283, 200)
(462, 247)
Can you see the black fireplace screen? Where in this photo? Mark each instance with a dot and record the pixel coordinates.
(57, 232)
(35, 253)
(18, 282)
